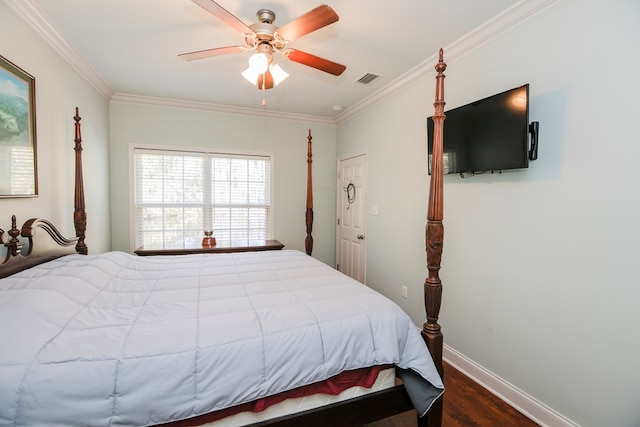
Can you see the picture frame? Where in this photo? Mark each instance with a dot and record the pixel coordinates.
(18, 160)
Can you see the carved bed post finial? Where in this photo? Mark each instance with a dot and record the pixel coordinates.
(431, 331)
(308, 241)
(14, 245)
(79, 214)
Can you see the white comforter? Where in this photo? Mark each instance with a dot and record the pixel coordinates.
(116, 339)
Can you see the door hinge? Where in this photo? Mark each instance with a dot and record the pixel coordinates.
(338, 221)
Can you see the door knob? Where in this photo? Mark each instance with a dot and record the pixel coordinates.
(360, 236)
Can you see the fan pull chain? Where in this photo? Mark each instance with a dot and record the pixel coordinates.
(264, 91)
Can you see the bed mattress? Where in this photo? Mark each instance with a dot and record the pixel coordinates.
(115, 339)
(386, 378)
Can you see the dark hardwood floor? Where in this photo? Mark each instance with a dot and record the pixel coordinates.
(466, 404)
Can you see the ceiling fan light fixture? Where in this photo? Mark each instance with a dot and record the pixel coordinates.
(258, 64)
(257, 69)
(278, 74)
(251, 75)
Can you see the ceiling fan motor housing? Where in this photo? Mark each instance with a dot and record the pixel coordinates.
(264, 30)
(266, 16)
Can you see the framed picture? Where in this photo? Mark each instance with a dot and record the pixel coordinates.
(18, 163)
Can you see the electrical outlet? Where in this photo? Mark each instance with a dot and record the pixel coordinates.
(404, 292)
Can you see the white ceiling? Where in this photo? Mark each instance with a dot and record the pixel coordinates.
(129, 48)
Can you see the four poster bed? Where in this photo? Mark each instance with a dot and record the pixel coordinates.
(225, 339)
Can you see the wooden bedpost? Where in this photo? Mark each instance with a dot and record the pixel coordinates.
(308, 241)
(431, 331)
(79, 214)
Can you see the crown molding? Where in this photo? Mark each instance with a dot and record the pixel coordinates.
(500, 23)
(126, 98)
(39, 24)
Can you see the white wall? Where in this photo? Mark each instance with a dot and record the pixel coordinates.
(287, 139)
(59, 89)
(540, 284)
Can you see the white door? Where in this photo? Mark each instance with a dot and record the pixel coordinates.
(351, 239)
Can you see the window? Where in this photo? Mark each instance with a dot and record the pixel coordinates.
(178, 195)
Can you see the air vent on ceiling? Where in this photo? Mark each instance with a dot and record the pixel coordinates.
(368, 78)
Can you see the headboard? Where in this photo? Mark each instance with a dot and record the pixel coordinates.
(25, 253)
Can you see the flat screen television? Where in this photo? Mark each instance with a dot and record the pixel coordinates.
(487, 135)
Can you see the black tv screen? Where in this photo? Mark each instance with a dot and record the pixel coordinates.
(487, 135)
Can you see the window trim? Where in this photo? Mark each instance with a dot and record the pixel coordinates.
(199, 150)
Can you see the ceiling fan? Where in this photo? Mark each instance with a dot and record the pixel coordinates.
(266, 38)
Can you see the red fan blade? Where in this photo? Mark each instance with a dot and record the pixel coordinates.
(314, 61)
(224, 15)
(313, 20)
(207, 53)
(268, 80)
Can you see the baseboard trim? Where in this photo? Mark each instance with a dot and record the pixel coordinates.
(521, 401)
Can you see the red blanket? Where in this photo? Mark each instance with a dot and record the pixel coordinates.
(335, 385)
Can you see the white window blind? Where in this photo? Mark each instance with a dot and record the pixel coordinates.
(178, 195)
